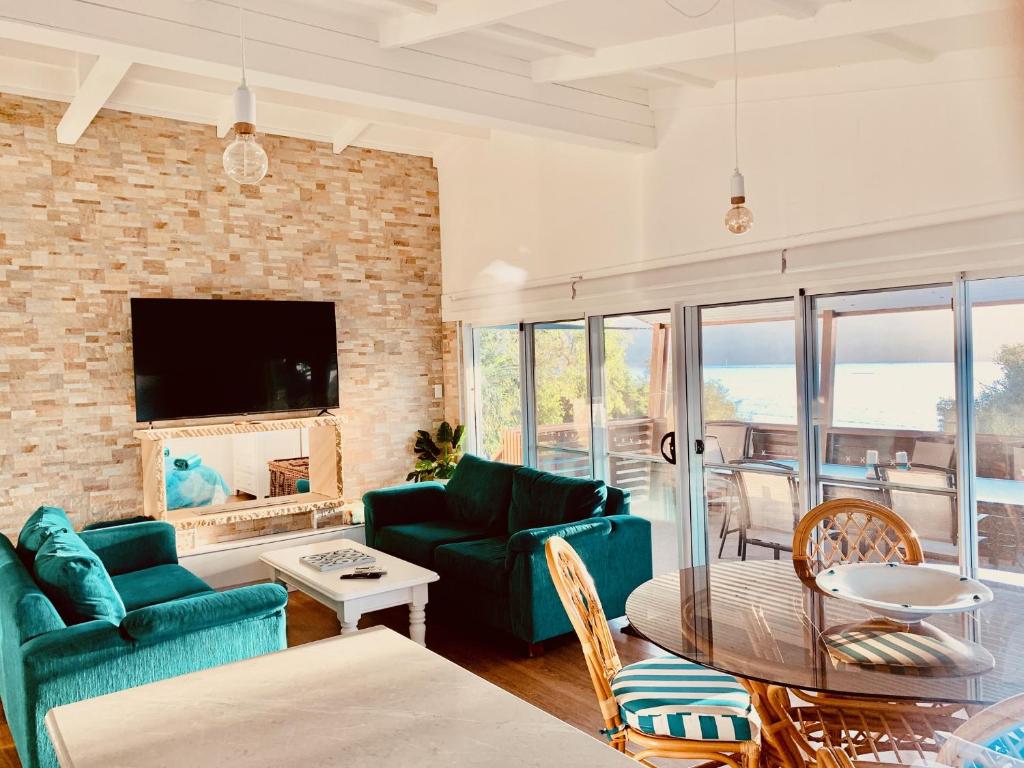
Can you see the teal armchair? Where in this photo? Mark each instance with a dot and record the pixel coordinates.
(484, 534)
(175, 624)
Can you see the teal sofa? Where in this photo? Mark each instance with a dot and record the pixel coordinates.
(484, 534)
(173, 623)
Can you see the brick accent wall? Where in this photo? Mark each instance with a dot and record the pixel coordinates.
(141, 207)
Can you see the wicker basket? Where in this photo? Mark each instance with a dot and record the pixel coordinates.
(285, 472)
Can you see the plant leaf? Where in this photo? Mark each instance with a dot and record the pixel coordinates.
(460, 432)
(444, 432)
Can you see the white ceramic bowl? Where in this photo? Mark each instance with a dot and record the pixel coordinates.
(904, 593)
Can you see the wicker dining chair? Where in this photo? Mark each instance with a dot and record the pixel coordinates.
(660, 706)
(993, 738)
(851, 531)
(875, 733)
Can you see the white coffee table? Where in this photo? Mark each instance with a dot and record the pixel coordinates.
(404, 584)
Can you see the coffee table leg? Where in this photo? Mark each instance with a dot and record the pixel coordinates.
(349, 620)
(418, 615)
(418, 623)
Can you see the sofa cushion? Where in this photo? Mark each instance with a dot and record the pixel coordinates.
(159, 584)
(480, 562)
(416, 542)
(479, 493)
(40, 524)
(74, 579)
(541, 498)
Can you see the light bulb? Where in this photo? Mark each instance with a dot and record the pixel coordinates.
(245, 161)
(739, 219)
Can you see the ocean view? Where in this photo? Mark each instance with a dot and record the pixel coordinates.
(881, 395)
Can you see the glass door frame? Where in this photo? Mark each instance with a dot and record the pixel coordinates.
(688, 392)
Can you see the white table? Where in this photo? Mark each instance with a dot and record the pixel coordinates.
(404, 584)
(365, 701)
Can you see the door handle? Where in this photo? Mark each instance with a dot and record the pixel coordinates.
(670, 454)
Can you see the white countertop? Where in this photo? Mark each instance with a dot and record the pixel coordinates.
(370, 700)
(399, 573)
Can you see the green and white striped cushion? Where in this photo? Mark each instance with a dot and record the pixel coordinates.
(672, 697)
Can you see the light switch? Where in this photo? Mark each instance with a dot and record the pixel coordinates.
(438, 391)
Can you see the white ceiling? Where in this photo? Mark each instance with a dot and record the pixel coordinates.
(408, 74)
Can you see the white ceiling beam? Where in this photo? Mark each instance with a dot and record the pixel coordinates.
(795, 9)
(537, 40)
(833, 21)
(675, 77)
(96, 88)
(348, 133)
(416, 6)
(901, 46)
(333, 64)
(453, 17)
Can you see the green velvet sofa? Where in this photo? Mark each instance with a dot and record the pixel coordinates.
(484, 534)
(175, 623)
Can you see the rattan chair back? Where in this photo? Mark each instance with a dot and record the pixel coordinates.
(852, 531)
(578, 594)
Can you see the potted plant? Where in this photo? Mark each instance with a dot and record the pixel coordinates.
(436, 457)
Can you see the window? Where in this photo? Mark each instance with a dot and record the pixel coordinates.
(562, 398)
(997, 319)
(498, 401)
(884, 408)
(748, 376)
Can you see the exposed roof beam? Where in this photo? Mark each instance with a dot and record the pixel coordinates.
(418, 6)
(905, 48)
(453, 17)
(795, 9)
(92, 94)
(347, 133)
(836, 20)
(305, 59)
(676, 77)
(554, 44)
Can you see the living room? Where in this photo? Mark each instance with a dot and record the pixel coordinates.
(374, 352)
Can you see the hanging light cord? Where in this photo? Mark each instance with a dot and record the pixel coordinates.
(681, 12)
(241, 36)
(735, 92)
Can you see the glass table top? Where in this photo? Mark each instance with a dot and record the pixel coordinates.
(758, 620)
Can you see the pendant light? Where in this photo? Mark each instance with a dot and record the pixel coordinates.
(738, 219)
(245, 161)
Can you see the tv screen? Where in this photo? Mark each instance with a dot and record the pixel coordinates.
(203, 357)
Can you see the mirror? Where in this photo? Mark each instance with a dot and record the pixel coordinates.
(225, 469)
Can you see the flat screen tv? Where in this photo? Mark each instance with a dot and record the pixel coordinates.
(205, 357)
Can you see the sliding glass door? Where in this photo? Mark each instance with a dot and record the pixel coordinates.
(749, 447)
(636, 413)
(884, 410)
(997, 322)
(561, 396)
(497, 387)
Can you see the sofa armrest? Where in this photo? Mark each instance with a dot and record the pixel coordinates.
(401, 504)
(156, 623)
(132, 547)
(532, 540)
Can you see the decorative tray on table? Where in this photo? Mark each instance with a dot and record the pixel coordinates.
(903, 593)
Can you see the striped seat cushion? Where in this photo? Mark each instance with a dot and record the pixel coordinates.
(672, 697)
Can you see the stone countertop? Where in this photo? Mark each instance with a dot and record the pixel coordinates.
(368, 700)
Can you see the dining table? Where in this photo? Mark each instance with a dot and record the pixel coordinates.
(760, 622)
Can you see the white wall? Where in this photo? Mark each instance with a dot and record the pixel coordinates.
(517, 209)
(874, 151)
(829, 156)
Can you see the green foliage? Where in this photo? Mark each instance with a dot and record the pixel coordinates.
(436, 458)
(718, 405)
(999, 407)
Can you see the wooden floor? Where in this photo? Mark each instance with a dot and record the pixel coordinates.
(556, 682)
